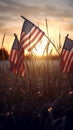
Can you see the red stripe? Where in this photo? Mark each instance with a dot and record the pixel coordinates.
(20, 58)
(22, 36)
(10, 57)
(64, 59)
(27, 36)
(68, 64)
(20, 62)
(13, 56)
(30, 42)
(35, 43)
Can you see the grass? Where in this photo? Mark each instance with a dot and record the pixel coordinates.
(24, 102)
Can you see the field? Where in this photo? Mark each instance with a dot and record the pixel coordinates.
(22, 101)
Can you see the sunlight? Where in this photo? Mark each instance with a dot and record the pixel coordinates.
(43, 48)
(40, 47)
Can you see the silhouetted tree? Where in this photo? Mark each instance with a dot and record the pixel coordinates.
(3, 54)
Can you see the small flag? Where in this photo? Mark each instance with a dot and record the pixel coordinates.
(14, 58)
(13, 55)
(30, 35)
(14, 50)
(67, 55)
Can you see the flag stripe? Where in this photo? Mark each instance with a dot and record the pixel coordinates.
(33, 41)
(71, 63)
(13, 56)
(30, 36)
(68, 62)
(20, 60)
(67, 55)
(14, 59)
(27, 36)
(37, 41)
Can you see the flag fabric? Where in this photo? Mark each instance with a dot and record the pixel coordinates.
(67, 55)
(14, 58)
(30, 35)
(13, 55)
(20, 63)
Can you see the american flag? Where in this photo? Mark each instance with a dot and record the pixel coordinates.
(30, 36)
(13, 55)
(67, 55)
(14, 58)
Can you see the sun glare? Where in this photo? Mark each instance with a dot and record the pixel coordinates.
(43, 48)
(39, 50)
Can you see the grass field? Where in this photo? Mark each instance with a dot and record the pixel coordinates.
(43, 84)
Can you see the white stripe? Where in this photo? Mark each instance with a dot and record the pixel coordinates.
(65, 56)
(13, 55)
(63, 52)
(34, 41)
(32, 36)
(27, 35)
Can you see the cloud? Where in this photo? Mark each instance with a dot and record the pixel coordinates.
(70, 3)
(69, 27)
(11, 10)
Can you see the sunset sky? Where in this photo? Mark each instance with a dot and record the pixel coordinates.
(59, 14)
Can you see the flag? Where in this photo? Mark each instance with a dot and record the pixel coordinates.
(14, 58)
(13, 55)
(30, 35)
(67, 55)
(20, 63)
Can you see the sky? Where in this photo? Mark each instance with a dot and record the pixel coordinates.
(59, 14)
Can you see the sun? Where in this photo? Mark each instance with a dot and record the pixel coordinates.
(43, 48)
(39, 50)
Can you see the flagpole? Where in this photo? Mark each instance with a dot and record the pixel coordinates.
(23, 17)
